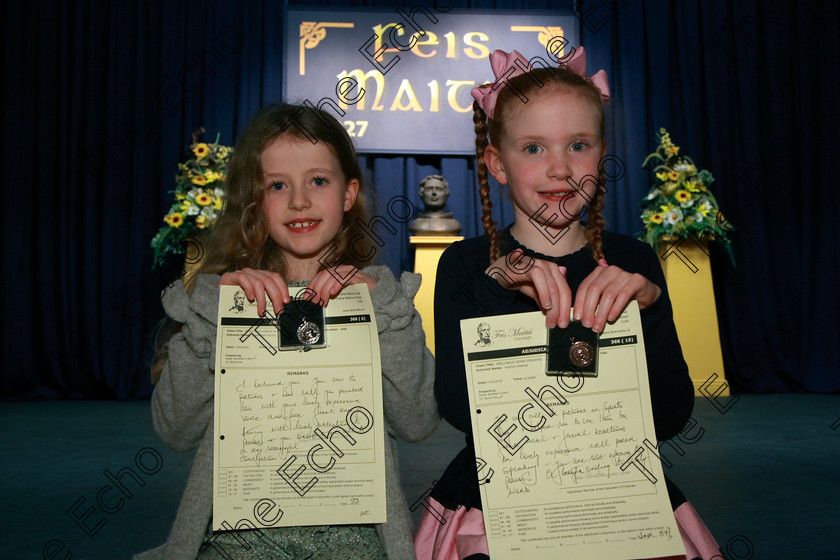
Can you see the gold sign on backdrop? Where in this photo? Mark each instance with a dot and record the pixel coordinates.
(399, 80)
(546, 34)
(311, 33)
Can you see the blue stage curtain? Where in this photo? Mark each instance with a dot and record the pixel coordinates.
(100, 101)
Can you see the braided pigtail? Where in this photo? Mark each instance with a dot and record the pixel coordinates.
(596, 223)
(481, 143)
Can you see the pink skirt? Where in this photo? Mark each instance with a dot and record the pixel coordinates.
(454, 535)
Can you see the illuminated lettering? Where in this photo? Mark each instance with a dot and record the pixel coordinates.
(434, 88)
(413, 104)
(431, 40)
(361, 79)
(379, 32)
(450, 45)
(473, 49)
(451, 95)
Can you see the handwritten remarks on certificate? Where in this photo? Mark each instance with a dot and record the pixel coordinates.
(299, 435)
(567, 469)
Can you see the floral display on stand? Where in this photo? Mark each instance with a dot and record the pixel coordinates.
(679, 203)
(199, 196)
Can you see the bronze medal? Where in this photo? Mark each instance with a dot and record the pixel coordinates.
(581, 353)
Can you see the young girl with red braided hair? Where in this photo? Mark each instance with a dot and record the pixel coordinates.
(541, 132)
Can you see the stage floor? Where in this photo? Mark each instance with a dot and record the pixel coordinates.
(763, 475)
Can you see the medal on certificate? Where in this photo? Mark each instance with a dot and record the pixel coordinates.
(572, 351)
(308, 332)
(302, 326)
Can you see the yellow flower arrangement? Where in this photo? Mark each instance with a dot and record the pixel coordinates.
(679, 202)
(199, 196)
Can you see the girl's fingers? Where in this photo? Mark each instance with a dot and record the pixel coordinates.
(537, 277)
(259, 296)
(311, 292)
(546, 286)
(257, 284)
(543, 281)
(262, 284)
(362, 278)
(591, 293)
(610, 300)
(328, 289)
(326, 284)
(278, 291)
(284, 290)
(529, 291)
(652, 293)
(605, 293)
(555, 281)
(565, 300)
(314, 289)
(583, 292)
(617, 308)
(600, 298)
(248, 286)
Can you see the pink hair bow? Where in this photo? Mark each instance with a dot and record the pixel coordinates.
(507, 65)
(577, 64)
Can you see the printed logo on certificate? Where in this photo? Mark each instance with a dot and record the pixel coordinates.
(299, 433)
(568, 471)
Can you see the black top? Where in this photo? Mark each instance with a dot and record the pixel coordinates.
(463, 291)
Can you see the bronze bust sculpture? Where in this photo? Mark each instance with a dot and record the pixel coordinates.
(434, 220)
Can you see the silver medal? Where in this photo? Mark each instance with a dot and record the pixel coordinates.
(308, 332)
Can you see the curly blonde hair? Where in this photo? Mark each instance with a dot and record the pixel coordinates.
(240, 239)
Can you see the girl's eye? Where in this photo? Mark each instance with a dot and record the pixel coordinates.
(319, 181)
(578, 146)
(277, 186)
(532, 149)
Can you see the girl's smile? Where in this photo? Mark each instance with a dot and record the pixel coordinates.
(303, 225)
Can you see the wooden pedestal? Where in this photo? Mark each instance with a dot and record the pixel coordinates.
(689, 276)
(427, 252)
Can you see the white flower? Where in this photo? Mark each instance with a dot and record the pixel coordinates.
(218, 192)
(673, 216)
(193, 210)
(192, 193)
(698, 217)
(208, 212)
(686, 168)
(687, 203)
(653, 194)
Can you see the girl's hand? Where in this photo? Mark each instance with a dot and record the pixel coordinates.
(326, 284)
(608, 290)
(258, 283)
(543, 281)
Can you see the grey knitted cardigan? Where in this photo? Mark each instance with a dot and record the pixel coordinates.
(182, 402)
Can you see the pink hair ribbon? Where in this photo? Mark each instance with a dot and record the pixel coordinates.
(507, 65)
